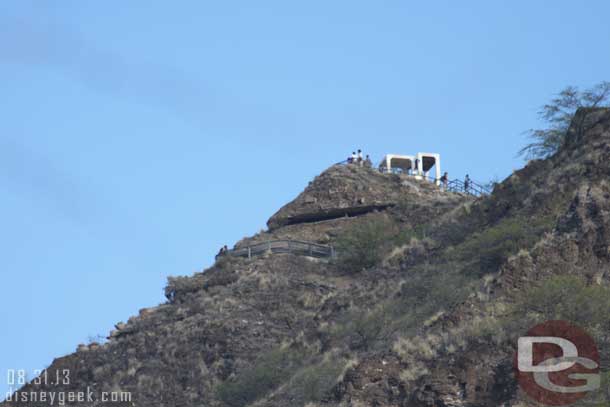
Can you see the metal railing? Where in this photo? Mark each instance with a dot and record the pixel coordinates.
(283, 246)
(470, 188)
(457, 185)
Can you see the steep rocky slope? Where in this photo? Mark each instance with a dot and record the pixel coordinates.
(431, 324)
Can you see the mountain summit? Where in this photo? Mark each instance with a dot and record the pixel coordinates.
(420, 306)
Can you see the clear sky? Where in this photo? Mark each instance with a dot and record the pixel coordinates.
(138, 137)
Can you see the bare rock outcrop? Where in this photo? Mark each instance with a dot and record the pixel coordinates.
(350, 190)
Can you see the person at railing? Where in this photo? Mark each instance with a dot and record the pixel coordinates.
(467, 183)
(445, 181)
(352, 159)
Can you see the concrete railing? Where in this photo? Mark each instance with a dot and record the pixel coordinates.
(283, 246)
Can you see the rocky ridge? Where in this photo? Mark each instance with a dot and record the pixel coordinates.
(426, 327)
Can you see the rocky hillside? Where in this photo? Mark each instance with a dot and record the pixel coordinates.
(421, 307)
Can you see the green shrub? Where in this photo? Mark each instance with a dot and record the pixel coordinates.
(424, 295)
(428, 292)
(312, 383)
(405, 235)
(487, 250)
(364, 244)
(567, 298)
(268, 372)
(367, 329)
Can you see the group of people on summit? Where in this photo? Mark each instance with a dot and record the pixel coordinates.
(357, 158)
(445, 182)
(467, 185)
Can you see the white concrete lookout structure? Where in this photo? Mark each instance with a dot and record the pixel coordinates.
(417, 166)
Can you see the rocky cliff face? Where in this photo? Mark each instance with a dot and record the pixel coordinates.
(432, 324)
(349, 190)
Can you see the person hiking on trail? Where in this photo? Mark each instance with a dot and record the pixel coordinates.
(445, 181)
(367, 162)
(467, 183)
(360, 161)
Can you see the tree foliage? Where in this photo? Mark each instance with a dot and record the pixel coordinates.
(558, 115)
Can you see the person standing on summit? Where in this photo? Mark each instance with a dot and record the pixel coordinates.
(360, 158)
(445, 181)
(467, 184)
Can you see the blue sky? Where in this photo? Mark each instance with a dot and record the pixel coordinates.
(138, 138)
